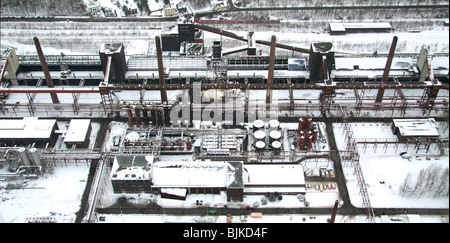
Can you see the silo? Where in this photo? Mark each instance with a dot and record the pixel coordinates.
(302, 142)
(301, 123)
(260, 145)
(23, 155)
(308, 124)
(258, 125)
(189, 144)
(274, 136)
(276, 147)
(180, 144)
(274, 125)
(259, 135)
(301, 133)
(35, 156)
(309, 142)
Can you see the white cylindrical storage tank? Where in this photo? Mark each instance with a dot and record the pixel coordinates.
(259, 135)
(35, 156)
(276, 147)
(23, 155)
(132, 137)
(274, 136)
(274, 125)
(260, 145)
(258, 125)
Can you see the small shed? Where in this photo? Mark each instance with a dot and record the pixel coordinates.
(78, 133)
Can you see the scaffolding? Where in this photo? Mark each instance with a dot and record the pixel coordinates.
(351, 155)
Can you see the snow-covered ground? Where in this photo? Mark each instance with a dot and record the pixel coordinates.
(137, 37)
(385, 171)
(268, 218)
(387, 174)
(57, 195)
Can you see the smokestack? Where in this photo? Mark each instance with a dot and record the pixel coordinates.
(333, 215)
(387, 69)
(271, 70)
(161, 73)
(48, 78)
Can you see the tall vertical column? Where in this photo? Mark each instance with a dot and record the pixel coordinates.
(387, 69)
(130, 117)
(137, 111)
(48, 77)
(145, 114)
(162, 79)
(333, 214)
(12, 66)
(271, 71)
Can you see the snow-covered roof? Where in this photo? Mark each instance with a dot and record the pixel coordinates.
(193, 174)
(110, 48)
(417, 127)
(440, 63)
(172, 63)
(274, 175)
(28, 127)
(131, 167)
(77, 130)
(345, 26)
(372, 63)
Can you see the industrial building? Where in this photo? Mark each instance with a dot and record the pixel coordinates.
(131, 174)
(78, 133)
(343, 28)
(175, 180)
(27, 131)
(415, 128)
(195, 118)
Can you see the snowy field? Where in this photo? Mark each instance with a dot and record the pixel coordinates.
(385, 171)
(55, 195)
(279, 218)
(75, 38)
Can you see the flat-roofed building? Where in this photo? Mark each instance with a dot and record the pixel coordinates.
(411, 128)
(283, 179)
(176, 179)
(27, 131)
(78, 133)
(343, 28)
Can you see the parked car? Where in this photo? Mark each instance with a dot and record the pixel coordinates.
(331, 173)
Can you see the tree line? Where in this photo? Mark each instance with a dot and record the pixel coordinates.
(432, 181)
